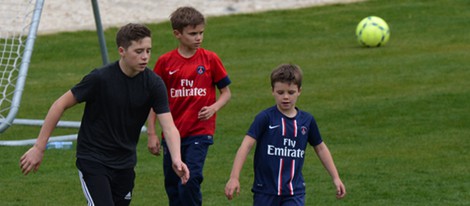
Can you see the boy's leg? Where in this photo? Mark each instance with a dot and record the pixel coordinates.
(104, 186)
(122, 184)
(172, 181)
(195, 156)
(95, 183)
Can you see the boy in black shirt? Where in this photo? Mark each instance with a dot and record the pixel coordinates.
(118, 99)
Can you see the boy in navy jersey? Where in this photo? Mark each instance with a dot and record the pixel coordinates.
(281, 134)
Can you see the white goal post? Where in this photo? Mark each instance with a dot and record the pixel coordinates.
(19, 21)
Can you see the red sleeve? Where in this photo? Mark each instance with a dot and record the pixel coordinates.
(159, 66)
(219, 69)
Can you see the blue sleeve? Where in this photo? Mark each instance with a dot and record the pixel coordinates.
(259, 125)
(223, 82)
(314, 137)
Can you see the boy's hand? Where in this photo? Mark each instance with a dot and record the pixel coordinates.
(340, 189)
(153, 144)
(233, 185)
(31, 160)
(182, 171)
(205, 113)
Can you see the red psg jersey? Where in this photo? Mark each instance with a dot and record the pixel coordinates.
(191, 84)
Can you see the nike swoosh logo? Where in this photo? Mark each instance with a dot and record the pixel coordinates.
(273, 127)
(174, 71)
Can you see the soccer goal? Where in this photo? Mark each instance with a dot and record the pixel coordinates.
(19, 21)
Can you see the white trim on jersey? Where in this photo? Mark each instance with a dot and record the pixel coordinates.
(292, 173)
(279, 177)
(85, 190)
(295, 127)
(283, 122)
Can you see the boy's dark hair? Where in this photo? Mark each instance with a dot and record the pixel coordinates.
(131, 32)
(287, 73)
(186, 16)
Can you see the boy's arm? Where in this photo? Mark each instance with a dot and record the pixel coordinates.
(208, 111)
(153, 144)
(327, 160)
(32, 159)
(173, 140)
(233, 184)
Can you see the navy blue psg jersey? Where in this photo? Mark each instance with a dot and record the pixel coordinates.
(280, 150)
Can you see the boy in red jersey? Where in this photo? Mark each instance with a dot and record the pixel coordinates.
(191, 75)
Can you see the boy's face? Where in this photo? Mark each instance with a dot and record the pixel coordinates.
(191, 36)
(136, 56)
(286, 96)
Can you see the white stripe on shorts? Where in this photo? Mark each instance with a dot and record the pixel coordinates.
(88, 197)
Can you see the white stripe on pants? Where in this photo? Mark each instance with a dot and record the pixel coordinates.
(85, 190)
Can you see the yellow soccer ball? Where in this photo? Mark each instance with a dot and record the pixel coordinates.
(372, 31)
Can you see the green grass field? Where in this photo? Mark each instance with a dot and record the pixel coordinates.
(396, 118)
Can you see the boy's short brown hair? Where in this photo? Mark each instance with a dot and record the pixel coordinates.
(287, 73)
(131, 32)
(186, 16)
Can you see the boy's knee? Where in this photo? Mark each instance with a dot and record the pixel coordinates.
(195, 180)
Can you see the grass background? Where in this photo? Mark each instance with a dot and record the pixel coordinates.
(396, 118)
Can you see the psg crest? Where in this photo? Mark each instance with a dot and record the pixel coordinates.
(200, 69)
(303, 129)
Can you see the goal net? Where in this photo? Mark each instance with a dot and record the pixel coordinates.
(19, 20)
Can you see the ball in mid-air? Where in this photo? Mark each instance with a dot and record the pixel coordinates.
(372, 31)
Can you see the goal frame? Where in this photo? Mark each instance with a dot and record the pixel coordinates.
(23, 70)
(11, 119)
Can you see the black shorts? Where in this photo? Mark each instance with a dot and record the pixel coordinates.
(105, 186)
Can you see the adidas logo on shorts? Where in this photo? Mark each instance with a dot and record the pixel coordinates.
(128, 196)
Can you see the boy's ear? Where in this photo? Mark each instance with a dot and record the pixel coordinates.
(176, 33)
(121, 50)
